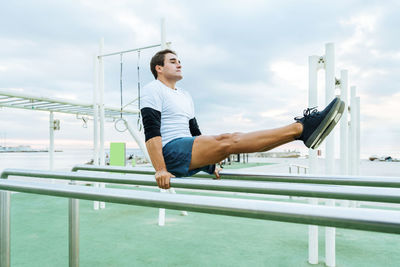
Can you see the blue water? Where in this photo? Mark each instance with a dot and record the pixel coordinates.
(63, 161)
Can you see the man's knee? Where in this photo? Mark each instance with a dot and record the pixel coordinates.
(226, 142)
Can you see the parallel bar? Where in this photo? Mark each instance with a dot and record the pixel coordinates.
(385, 221)
(376, 181)
(389, 195)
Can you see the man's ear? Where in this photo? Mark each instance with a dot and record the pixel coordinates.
(159, 68)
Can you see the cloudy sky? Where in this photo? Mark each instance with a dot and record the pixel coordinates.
(244, 62)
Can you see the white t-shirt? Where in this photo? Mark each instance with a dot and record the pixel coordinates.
(176, 107)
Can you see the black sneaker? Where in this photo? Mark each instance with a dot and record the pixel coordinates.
(318, 124)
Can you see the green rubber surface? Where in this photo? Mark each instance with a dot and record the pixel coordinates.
(123, 235)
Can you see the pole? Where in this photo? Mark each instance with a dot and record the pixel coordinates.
(73, 230)
(312, 102)
(163, 35)
(5, 228)
(101, 113)
(51, 146)
(330, 147)
(95, 113)
(353, 130)
(344, 123)
(357, 158)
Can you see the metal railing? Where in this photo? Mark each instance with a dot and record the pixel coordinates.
(388, 195)
(362, 219)
(376, 181)
(299, 167)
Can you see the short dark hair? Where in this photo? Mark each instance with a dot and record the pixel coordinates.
(158, 59)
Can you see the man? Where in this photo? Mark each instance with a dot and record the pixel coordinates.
(174, 141)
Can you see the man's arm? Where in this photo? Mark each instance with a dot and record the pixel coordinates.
(152, 124)
(154, 147)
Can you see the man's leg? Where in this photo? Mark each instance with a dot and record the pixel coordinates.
(212, 149)
(312, 129)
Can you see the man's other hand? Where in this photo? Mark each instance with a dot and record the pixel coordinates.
(216, 172)
(163, 179)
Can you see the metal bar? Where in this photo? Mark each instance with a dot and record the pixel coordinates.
(389, 195)
(51, 137)
(376, 181)
(12, 101)
(386, 221)
(130, 50)
(73, 233)
(16, 102)
(4, 228)
(32, 102)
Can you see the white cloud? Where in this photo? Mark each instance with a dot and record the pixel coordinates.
(288, 72)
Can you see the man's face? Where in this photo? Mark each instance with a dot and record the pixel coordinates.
(172, 68)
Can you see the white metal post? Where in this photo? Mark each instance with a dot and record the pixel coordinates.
(73, 230)
(312, 102)
(96, 93)
(330, 148)
(353, 130)
(101, 103)
(101, 112)
(51, 146)
(344, 123)
(163, 35)
(95, 113)
(358, 130)
(329, 94)
(161, 212)
(5, 228)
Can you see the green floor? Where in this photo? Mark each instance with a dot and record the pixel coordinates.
(123, 235)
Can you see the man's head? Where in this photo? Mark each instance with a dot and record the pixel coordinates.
(166, 63)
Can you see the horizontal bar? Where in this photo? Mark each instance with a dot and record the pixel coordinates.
(376, 181)
(389, 195)
(354, 218)
(130, 50)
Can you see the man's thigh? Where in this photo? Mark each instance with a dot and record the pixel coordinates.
(209, 149)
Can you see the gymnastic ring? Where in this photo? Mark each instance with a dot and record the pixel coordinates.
(120, 129)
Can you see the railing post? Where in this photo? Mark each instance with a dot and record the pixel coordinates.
(312, 102)
(4, 228)
(73, 224)
(330, 232)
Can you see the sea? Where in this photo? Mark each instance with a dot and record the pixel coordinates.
(63, 160)
(67, 158)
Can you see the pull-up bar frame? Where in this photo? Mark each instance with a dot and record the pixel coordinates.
(131, 50)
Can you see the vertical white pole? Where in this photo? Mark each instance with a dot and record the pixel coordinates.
(5, 236)
(357, 158)
(161, 212)
(51, 146)
(95, 113)
(101, 109)
(101, 103)
(344, 123)
(101, 112)
(329, 94)
(353, 129)
(353, 136)
(312, 102)
(163, 35)
(330, 148)
(96, 93)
